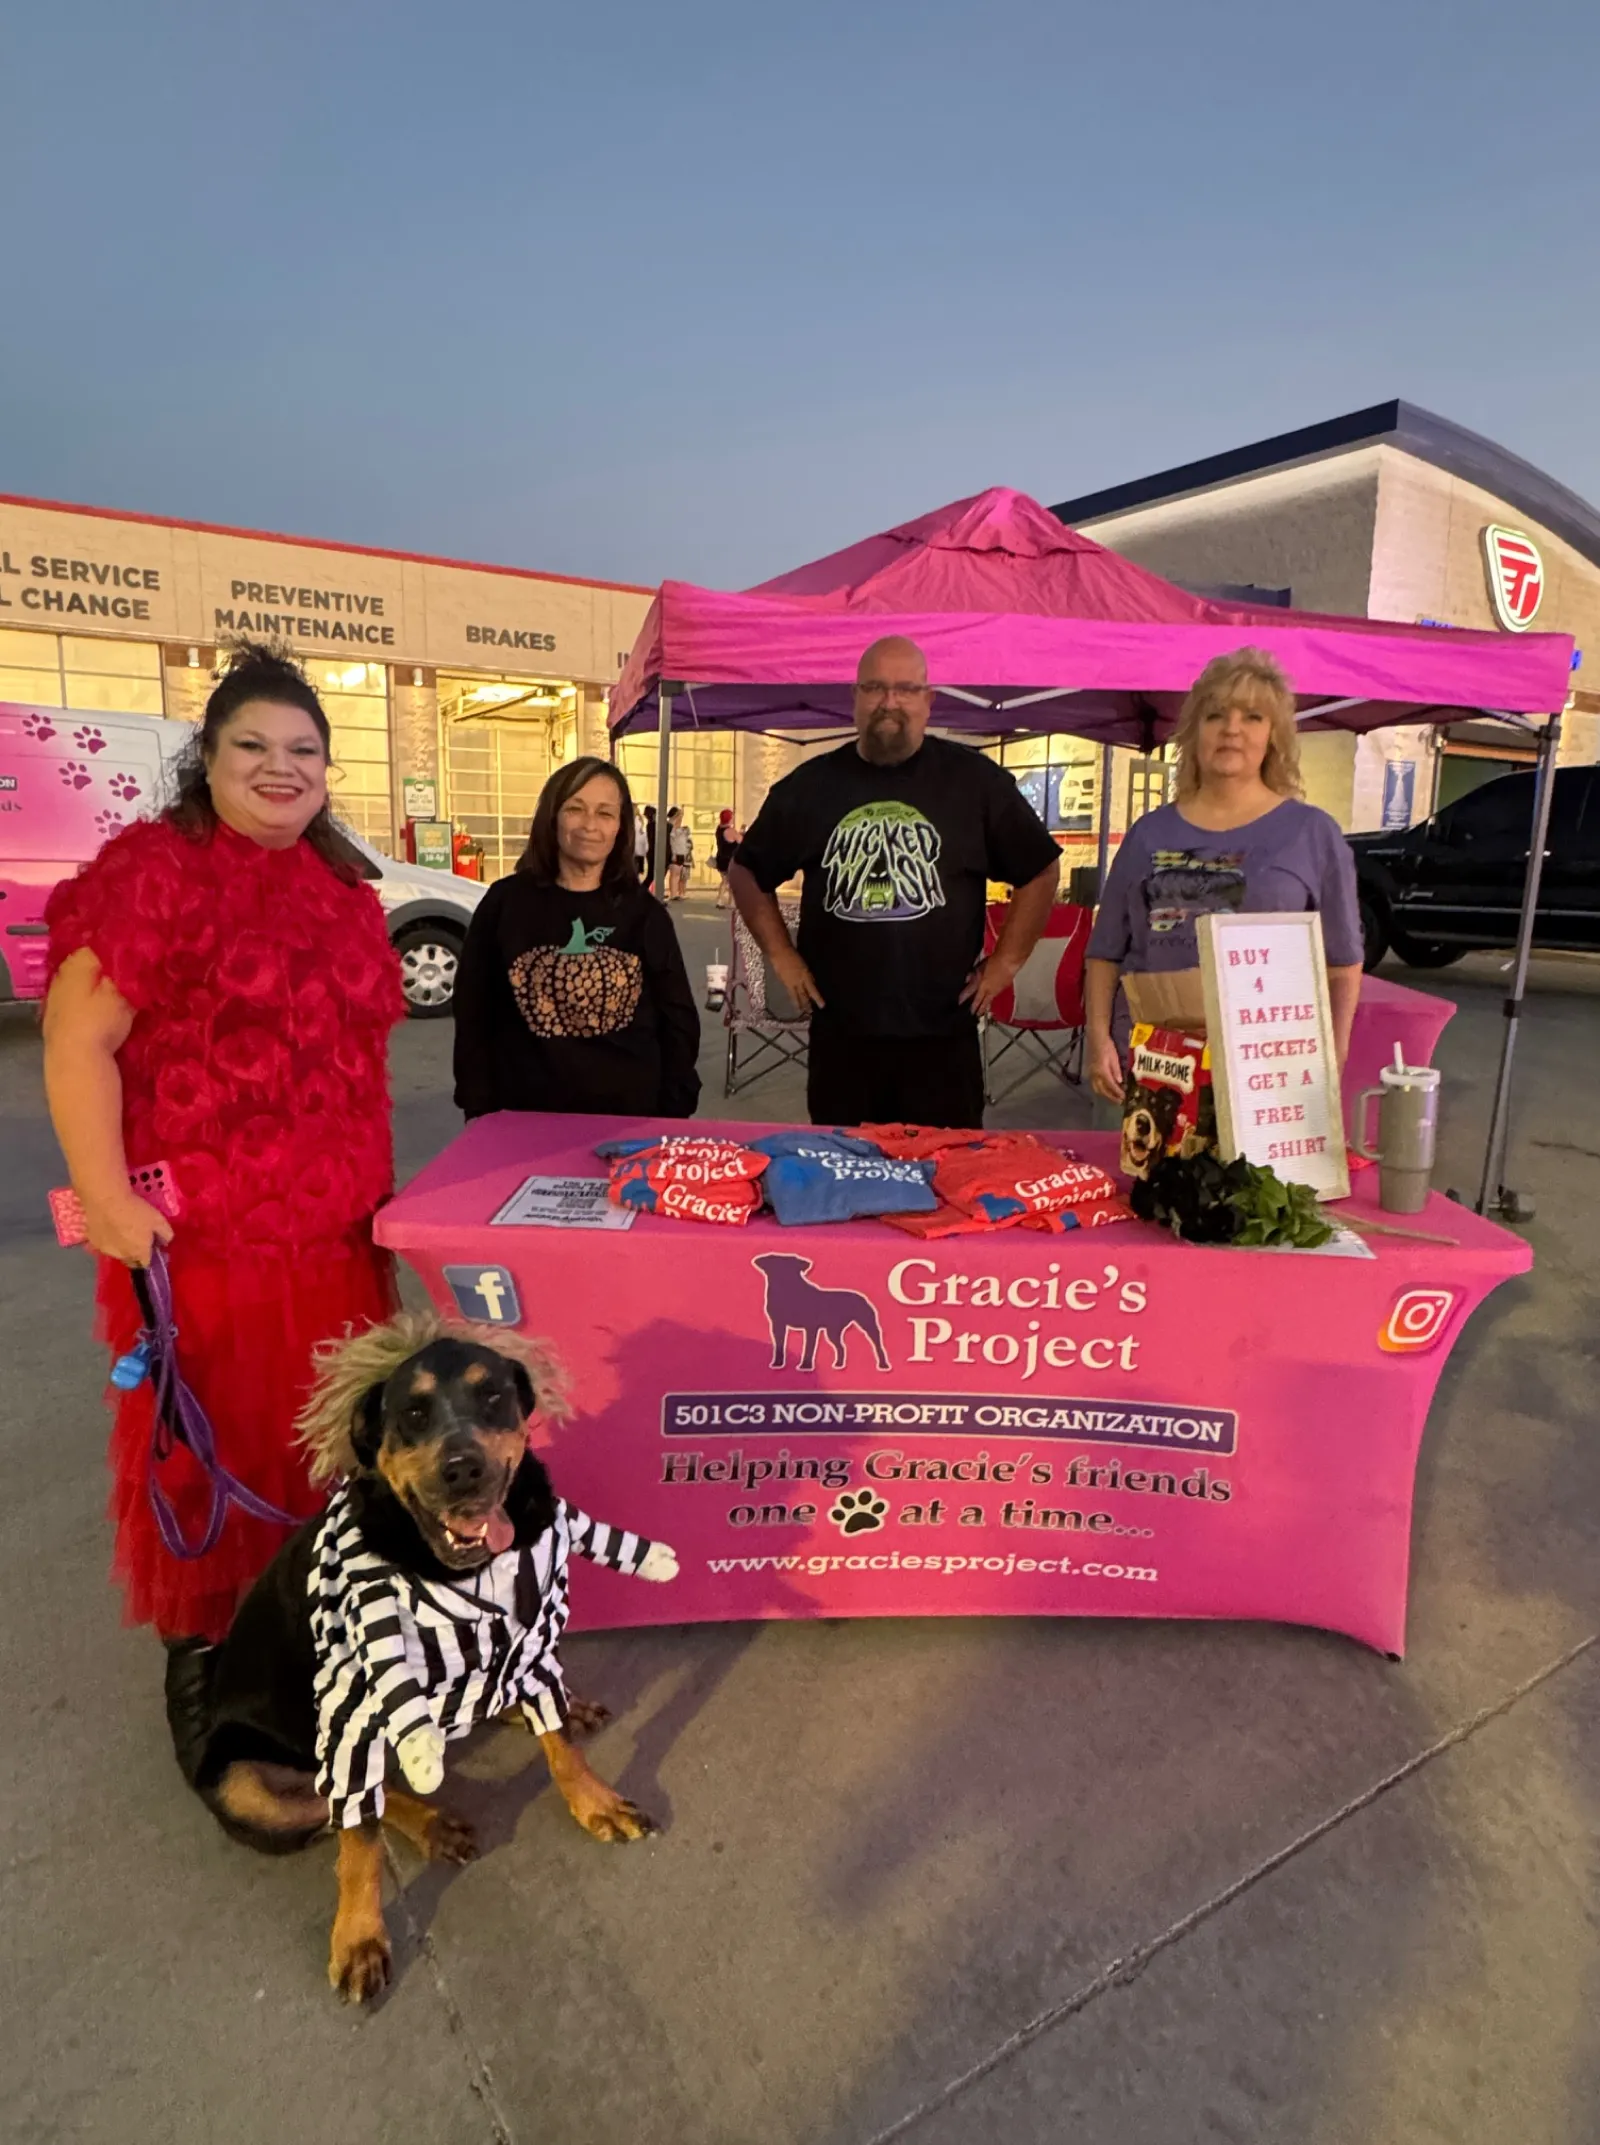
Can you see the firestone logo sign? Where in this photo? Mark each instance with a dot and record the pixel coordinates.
(1516, 576)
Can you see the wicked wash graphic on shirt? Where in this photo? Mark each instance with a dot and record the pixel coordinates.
(1182, 886)
(881, 865)
(584, 988)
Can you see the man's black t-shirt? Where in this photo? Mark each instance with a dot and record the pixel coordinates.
(896, 861)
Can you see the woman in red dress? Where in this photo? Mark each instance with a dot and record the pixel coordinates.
(222, 991)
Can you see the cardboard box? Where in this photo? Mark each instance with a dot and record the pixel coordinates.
(1167, 1103)
(1174, 1000)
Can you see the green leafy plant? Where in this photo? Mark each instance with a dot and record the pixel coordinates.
(1207, 1201)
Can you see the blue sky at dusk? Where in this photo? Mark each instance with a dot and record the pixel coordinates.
(705, 290)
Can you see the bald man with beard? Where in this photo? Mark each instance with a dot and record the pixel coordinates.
(897, 835)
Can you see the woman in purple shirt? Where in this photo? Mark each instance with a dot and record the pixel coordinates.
(1236, 837)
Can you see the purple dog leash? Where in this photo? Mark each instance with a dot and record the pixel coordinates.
(180, 1419)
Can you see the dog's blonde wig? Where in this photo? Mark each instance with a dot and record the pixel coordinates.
(349, 1368)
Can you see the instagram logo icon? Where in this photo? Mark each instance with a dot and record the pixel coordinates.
(1416, 1320)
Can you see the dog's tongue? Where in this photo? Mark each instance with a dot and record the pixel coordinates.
(500, 1533)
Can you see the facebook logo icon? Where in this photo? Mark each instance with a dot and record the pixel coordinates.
(486, 1293)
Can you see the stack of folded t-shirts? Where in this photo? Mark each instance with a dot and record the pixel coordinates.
(691, 1178)
(927, 1181)
(1002, 1180)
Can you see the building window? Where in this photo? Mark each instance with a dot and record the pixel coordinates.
(111, 677)
(30, 669)
(1152, 782)
(502, 739)
(701, 772)
(1059, 776)
(65, 670)
(355, 699)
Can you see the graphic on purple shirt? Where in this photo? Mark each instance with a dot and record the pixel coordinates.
(1168, 872)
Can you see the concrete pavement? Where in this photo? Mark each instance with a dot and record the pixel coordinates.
(1120, 1883)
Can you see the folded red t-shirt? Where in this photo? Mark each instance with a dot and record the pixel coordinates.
(687, 1158)
(956, 1221)
(920, 1143)
(1023, 1177)
(636, 1182)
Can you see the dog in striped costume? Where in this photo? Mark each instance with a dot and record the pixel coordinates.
(430, 1596)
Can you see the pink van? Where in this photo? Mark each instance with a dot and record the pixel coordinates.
(69, 782)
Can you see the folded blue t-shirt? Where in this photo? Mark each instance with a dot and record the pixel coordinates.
(776, 1143)
(828, 1176)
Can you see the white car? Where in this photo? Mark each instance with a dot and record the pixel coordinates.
(427, 913)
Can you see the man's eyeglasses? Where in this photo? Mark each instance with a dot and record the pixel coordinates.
(902, 689)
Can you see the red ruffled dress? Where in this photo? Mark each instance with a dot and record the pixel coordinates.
(264, 988)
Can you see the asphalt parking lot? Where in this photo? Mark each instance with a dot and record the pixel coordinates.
(1120, 1883)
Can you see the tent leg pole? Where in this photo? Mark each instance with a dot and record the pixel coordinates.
(664, 693)
(1103, 859)
(1493, 1195)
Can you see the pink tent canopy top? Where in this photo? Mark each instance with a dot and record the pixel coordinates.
(1028, 625)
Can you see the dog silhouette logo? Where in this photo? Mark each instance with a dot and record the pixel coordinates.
(796, 1304)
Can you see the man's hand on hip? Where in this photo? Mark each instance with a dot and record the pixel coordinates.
(796, 978)
(988, 980)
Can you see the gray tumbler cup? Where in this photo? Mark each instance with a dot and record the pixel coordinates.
(1408, 1115)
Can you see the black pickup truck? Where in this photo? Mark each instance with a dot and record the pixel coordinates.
(1454, 884)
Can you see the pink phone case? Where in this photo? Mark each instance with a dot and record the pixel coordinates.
(152, 1182)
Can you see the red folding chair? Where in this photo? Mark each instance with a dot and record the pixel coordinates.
(1041, 1014)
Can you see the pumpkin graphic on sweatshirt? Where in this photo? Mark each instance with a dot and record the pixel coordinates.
(582, 988)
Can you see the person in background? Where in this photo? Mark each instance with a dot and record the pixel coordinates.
(680, 854)
(571, 992)
(1236, 837)
(727, 848)
(641, 848)
(221, 993)
(650, 848)
(898, 834)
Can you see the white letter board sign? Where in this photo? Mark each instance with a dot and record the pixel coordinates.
(1275, 1075)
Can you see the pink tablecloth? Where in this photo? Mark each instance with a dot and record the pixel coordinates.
(843, 1421)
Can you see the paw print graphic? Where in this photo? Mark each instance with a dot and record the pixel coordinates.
(125, 787)
(74, 774)
(39, 726)
(107, 823)
(858, 1512)
(89, 740)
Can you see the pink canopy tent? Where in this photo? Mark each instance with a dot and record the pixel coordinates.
(1030, 626)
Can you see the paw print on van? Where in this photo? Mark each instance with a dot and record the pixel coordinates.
(106, 824)
(125, 787)
(39, 726)
(89, 739)
(74, 774)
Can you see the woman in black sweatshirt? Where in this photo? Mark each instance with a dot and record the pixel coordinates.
(572, 993)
